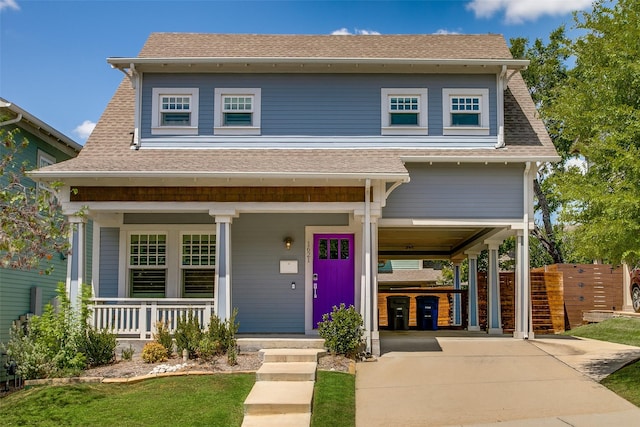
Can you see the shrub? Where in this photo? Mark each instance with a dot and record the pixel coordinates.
(342, 330)
(153, 352)
(188, 334)
(208, 348)
(163, 336)
(127, 353)
(99, 347)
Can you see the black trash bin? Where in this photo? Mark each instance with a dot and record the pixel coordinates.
(398, 312)
(427, 313)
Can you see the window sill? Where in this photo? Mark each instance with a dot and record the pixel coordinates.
(404, 130)
(465, 130)
(169, 130)
(236, 130)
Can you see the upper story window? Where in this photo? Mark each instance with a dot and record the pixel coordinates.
(465, 111)
(237, 111)
(175, 111)
(44, 160)
(404, 111)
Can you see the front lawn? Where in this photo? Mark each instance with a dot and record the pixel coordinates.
(334, 400)
(212, 400)
(621, 330)
(625, 382)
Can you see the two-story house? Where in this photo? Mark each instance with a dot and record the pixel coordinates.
(24, 292)
(270, 173)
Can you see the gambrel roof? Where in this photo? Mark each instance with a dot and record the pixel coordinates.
(108, 152)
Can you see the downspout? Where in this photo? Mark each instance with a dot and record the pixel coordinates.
(367, 263)
(12, 121)
(525, 254)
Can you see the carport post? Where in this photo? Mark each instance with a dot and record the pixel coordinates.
(474, 322)
(494, 317)
(457, 309)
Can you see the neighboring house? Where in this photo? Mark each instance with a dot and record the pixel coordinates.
(282, 167)
(26, 291)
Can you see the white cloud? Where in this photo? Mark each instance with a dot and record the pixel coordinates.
(84, 130)
(345, 32)
(445, 32)
(577, 162)
(518, 11)
(9, 4)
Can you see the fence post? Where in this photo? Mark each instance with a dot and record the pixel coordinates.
(153, 319)
(207, 315)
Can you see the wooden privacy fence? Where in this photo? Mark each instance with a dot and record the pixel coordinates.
(588, 287)
(546, 300)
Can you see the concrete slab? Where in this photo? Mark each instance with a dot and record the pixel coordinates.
(279, 397)
(259, 343)
(476, 381)
(279, 420)
(287, 371)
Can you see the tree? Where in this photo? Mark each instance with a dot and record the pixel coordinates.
(547, 71)
(32, 228)
(599, 107)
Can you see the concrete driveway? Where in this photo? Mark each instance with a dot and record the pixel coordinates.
(487, 380)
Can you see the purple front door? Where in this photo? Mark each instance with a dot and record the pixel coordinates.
(333, 273)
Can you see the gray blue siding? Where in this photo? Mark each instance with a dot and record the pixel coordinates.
(317, 104)
(109, 261)
(263, 296)
(451, 191)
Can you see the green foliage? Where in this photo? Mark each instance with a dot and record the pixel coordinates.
(220, 338)
(127, 353)
(342, 330)
(60, 343)
(153, 352)
(163, 336)
(99, 347)
(599, 111)
(622, 330)
(188, 334)
(334, 400)
(33, 229)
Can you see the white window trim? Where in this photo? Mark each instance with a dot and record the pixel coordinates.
(447, 129)
(49, 160)
(156, 122)
(129, 266)
(421, 129)
(194, 267)
(218, 119)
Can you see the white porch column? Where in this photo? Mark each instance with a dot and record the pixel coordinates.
(366, 293)
(494, 314)
(627, 304)
(222, 292)
(457, 304)
(524, 325)
(76, 260)
(375, 333)
(474, 322)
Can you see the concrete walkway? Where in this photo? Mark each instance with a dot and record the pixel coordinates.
(485, 381)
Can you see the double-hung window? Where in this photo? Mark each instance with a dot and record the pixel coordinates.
(404, 111)
(465, 112)
(147, 265)
(237, 111)
(44, 160)
(197, 265)
(175, 111)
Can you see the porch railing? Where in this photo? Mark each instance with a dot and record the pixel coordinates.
(137, 318)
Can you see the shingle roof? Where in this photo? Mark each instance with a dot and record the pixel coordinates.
(192, 45)
(108, 149)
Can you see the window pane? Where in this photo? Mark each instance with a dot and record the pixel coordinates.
(322, 249)
(237, 119)
(147, 244)
(461, 119)
(176, 119)
(198, 283)
(404, 119)
(196, 244)
(333, 248)
(344, 249)
(147, 283)
(404, 104)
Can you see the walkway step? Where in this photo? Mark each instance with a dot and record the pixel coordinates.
(259, 343)
(279, 397)
(287, 371)
(291, 355)
(279, 420)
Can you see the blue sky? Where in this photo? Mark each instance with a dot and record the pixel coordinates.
(53, 53)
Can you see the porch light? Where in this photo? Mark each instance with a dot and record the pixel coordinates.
(287, 242)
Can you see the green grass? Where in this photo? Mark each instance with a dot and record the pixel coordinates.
(212, 400)
(334, 400)
(625, 382)
(621, 330)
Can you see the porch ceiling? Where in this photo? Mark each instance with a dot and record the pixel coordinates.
(428, 242)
